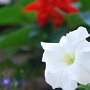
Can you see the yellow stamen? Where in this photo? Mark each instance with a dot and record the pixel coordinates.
(70, 58)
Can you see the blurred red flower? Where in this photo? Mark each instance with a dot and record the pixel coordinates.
(46, 10)
(72, 0)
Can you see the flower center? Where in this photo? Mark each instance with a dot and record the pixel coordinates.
(70, 58)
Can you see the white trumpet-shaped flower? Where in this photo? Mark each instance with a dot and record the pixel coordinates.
(68, 62)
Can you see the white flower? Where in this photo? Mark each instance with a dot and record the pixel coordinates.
(68, 61)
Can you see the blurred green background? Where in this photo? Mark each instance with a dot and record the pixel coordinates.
(21, 67)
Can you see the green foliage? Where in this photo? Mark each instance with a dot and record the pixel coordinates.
(24, 36)
(16, 38)
(56, 34)
(10, 15)
(85, 5)
(74, 20)
(14, 14)
(25, 2)
(28, 33)
(84, 87)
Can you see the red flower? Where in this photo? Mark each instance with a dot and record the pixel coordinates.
(72, 0)
(46, 10)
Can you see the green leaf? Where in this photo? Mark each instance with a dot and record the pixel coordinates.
(10, 15)
(85, 5)
(25, 2)
(29, 17)
(57, 34)
(14, 14)
(16, 38)
(28, 35)
(74, 20)
(84, 87)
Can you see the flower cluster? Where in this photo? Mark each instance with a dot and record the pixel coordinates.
(46, 10)
(72, 0)
(68, 62)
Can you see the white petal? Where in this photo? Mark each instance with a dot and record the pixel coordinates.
(49, 46)
(84, 44)
(73, 39)
(55, 55)
(79, 73)
(67, 83)
(83, 56)
(80, 70)
(53, 52)
(54, 66)
(78, 35)
(53, 73)
(63, 40)
(67, 44)
(53, 79)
